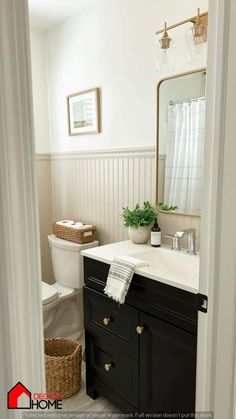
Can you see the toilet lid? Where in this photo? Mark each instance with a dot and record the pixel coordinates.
(49, 293)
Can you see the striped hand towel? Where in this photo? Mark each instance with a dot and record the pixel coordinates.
(120, 276)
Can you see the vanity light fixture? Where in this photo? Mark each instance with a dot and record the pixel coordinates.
(199, 31)
(165, 51)
(196, 36)
(196, 39)
(165, 39)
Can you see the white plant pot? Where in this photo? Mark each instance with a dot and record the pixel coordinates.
(140, 235)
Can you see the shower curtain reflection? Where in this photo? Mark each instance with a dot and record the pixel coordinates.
(184, 154)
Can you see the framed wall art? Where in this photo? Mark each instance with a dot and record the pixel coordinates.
(84, 112)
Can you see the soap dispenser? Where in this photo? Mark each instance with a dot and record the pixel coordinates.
(155, 234)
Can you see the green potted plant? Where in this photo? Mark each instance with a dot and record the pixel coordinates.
(139, 221)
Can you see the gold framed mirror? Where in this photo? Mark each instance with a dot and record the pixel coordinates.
(180, 142)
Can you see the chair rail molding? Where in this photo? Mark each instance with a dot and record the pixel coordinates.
(21, 330)
(147, 151)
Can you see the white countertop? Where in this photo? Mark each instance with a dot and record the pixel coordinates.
(173, 262)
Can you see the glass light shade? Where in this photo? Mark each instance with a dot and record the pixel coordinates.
(165, 57)
(196, 37)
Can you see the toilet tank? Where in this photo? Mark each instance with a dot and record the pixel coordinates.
(67, 262)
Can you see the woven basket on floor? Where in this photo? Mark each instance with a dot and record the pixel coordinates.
(79, 236)
(63, 366)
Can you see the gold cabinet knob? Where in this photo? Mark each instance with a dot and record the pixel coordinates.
(108, 367)
(106, 320)
(139, 329)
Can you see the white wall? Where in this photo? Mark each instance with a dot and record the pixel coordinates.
(40, 90)
(111, 45)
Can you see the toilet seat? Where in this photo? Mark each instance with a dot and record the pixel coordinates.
(49, 293)
(63, 291)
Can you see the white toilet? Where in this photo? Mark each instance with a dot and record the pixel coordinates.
(63, 301)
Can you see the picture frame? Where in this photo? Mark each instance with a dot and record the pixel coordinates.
(83, 109)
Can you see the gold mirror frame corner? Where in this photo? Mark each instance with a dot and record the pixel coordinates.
(175, 76)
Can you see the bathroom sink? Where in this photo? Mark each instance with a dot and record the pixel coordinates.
(163, 264)
(169, 264)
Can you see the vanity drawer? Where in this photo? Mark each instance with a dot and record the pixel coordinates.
(168, 303)
(95, 273)
(113, 323)
(114, 369)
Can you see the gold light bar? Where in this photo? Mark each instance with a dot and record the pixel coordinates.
(203, 20)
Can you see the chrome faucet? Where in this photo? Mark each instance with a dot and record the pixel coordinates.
(191, 240)
(191, 237)
(175, 241)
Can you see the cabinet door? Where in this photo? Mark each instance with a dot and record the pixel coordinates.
(167, 367)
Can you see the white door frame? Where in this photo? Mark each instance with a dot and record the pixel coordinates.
(216, 335)
(21, 330)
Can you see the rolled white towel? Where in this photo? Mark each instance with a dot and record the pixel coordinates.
(70, 223)
(78, 224)
(67, 223)
(81, 226)
(120, 276)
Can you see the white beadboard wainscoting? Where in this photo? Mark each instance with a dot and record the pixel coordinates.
(94, 187)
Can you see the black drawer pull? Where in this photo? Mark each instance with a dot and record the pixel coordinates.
(106, 320)
(108, 367)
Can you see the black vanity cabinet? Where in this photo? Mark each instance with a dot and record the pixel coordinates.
(141, 355)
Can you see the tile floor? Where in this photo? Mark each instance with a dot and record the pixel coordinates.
(80, 402)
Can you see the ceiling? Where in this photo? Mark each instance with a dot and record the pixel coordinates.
(44, 14)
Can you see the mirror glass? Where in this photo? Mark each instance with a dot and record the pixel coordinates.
(180, 142)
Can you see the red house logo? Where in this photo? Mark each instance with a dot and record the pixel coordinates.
(16, 395)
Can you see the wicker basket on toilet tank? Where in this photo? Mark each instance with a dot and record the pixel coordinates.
(79, 236)
(63, 359)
